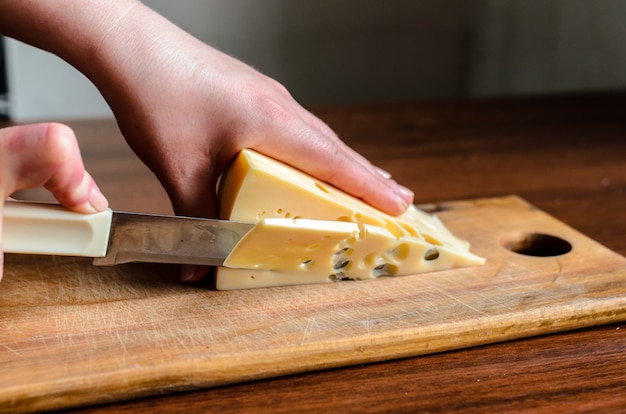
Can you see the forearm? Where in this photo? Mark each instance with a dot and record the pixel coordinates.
(71, 29)
(100, 38)
(118, 44)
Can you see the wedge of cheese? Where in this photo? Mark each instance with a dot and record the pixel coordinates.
(310, 232)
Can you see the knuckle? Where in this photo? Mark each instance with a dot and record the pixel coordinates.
(58, 143)
(273, 110)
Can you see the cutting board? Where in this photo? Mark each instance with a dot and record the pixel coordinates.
(73, 334)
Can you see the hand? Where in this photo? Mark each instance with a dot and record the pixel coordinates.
(186, 109)
(46, 155)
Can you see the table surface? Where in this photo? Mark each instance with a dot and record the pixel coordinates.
(566, 155)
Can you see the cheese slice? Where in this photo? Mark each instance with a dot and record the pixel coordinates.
(310, 232)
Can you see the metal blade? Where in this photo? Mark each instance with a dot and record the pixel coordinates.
(168, 239)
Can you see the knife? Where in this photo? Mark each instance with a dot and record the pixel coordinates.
(115, 237)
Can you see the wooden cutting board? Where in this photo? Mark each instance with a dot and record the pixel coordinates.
(73, 334)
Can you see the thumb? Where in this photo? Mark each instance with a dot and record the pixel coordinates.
(47, 155)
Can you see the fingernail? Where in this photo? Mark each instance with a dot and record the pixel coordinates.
(187, 272)
(405, 192)
(402, 202)
(383, 173)
(97, 200)
(404, 197)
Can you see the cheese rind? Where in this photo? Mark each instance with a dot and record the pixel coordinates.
(310, 232)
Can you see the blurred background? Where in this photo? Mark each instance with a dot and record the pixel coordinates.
(330, 52)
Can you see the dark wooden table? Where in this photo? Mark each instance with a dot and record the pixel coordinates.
(566, 155)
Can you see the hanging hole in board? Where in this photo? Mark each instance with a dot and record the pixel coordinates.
(536, 244)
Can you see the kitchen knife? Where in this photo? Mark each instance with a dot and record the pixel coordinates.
(113, 237)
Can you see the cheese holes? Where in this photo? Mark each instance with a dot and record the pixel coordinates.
(410, 230)
(346, 251)
(283, 213)
(400, 252)
(342, 265)
(396, 229)
(369, 260)
(430, 239)
(338, 276)
(307, 264)
(431, 254)
(322, 187)
(385, 269)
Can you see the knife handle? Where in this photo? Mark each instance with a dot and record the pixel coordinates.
(51, 229)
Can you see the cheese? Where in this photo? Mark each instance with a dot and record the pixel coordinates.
(310, 232)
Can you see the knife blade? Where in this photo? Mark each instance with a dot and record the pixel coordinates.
(115, 237)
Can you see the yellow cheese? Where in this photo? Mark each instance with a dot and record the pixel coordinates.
(310, 232)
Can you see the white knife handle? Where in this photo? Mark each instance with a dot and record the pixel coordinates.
(42, 228)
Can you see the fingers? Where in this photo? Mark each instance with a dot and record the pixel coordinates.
(308, 144)
(356, 175)
(48, 155)
(371, 184)
(193, 273)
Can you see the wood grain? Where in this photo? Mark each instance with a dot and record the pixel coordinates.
(563, 154)
(77, 334)
(581, 371)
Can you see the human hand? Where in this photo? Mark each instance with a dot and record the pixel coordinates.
(186, 109)
(46, 155)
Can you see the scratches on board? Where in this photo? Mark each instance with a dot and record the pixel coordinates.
(312, 327)
(10, 349)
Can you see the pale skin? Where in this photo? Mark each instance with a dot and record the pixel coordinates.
(46, 155)
(184, 107)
